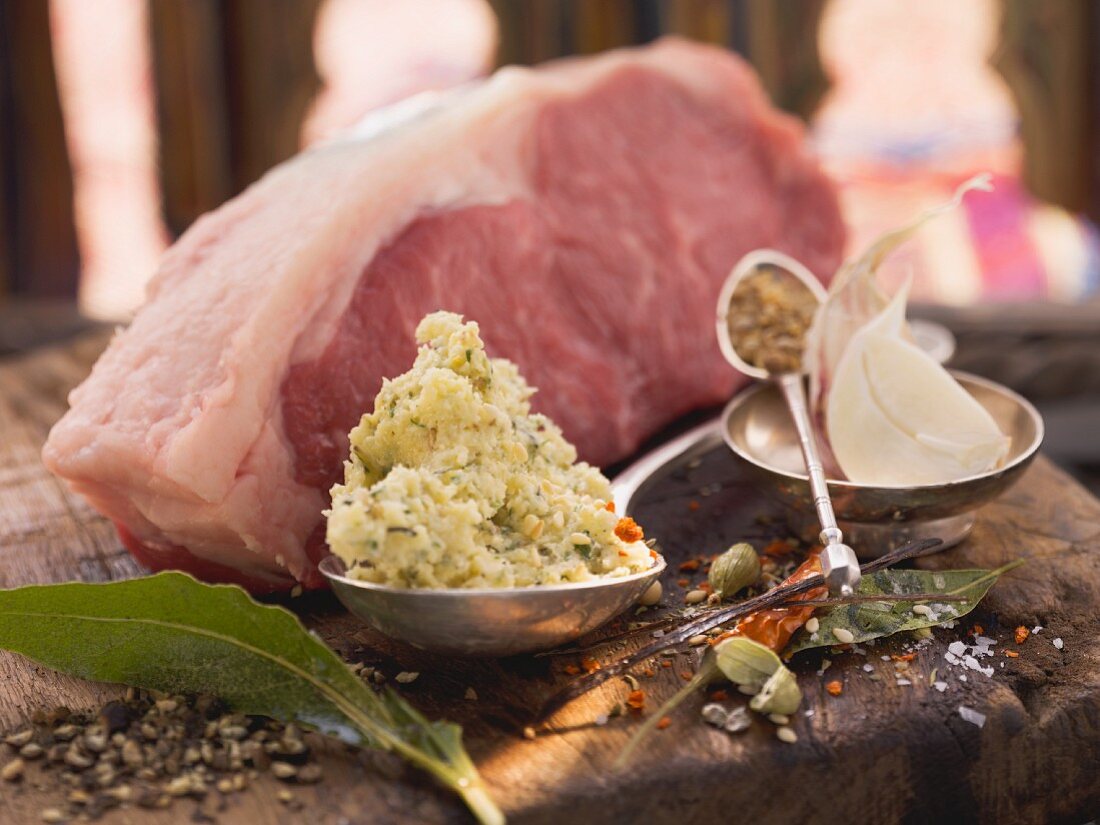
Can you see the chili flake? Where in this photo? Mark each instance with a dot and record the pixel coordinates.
(835, 687)
(590, 665)
(904, 657)
(610, 506)
(693, 505)
(572, 670)
(1012, 654)
(636, 701)
(685, 675)
(719, 696)
(1021, 634)
(666, 663)
(628, 530)
(779, 547)
(690, 566)
(664, 723)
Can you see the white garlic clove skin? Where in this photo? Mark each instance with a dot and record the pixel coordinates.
(895, 417)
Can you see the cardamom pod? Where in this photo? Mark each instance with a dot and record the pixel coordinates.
(745, 662)
(758, 670)
(734, 570)
(780, 694)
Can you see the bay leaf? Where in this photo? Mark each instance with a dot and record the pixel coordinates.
(875, 619)
(172, 633)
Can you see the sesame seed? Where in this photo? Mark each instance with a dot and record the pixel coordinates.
(844, 635)
(283, 770)
(12, 771)
(813, 625)
(695, 597)
(922, 610)
(786, 734)
(696, 641)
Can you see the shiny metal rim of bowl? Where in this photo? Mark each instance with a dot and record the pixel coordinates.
(333, 567)
(1024, 456)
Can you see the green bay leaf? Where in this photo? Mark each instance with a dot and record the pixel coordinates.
(875, 619)
(172, 633)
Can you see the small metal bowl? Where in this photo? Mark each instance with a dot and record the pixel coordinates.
(488, 621)
(758, 429)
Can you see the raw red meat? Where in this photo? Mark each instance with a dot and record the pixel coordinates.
(585, 213)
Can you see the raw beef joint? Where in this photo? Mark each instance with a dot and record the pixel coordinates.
(585, 213)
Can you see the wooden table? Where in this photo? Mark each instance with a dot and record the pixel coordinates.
(878, 753)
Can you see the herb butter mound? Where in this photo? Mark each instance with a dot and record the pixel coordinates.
(454, 482)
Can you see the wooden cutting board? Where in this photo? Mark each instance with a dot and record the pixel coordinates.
(880, 752)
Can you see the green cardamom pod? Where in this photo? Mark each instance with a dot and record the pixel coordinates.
(756, 668)
(734, 570)
(745, 662)
(780, 694)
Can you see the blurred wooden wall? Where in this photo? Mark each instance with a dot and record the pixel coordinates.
(234, 79)
(779, 37)
(1049, 54)
(38, 249)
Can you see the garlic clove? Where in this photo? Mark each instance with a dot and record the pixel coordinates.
(895, 417)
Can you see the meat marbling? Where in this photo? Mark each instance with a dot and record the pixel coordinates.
(584, 212)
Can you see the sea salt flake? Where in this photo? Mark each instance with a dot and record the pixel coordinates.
(1037, 628)
(602, 719)
(972, 716)
(904, 682)
(957, 648)
(962, 677)
(973, 664)
(869, 668)
(1058, 643)
(940, 686)
(983, 646)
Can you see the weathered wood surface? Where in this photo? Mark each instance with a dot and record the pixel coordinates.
(878, 753)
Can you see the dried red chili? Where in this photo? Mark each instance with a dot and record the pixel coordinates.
(774, 628)
(628, 530)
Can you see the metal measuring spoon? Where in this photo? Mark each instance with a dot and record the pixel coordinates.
(838, 560)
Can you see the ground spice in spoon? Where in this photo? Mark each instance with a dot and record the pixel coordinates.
(769, 314)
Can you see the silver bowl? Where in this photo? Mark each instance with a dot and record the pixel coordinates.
(489, 621)
(758, 429)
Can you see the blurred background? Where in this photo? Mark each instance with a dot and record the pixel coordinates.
(122, 121)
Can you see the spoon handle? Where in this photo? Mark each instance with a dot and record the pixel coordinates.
(795, 394)
(845, 573)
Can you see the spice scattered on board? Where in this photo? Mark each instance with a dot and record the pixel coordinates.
(148, 750)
